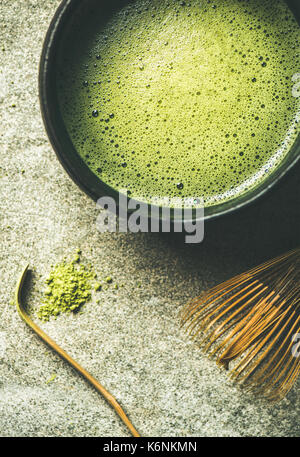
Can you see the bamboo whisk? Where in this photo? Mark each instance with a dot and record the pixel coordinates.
(252, 321)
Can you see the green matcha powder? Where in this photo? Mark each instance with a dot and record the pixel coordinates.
(69, 286)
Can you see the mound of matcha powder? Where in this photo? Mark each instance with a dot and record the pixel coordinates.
(68, 288)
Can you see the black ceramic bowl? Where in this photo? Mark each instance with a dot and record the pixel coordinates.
(59, 31)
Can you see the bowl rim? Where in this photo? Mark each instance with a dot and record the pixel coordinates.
(44, 82)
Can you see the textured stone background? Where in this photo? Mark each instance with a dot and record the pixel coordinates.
(131, 341)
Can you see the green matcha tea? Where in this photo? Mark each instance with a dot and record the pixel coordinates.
(184, 99)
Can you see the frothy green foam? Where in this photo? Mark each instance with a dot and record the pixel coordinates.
(185, 99)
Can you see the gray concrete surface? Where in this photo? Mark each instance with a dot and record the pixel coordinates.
(131, 341)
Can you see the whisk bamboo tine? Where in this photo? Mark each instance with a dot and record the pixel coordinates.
(206, 315)
(265, 369)
(250, 320)
(230, 335)
(283, 363)
(238, 334)
(208, 296)
(240, 368)
(225, 325)
(194, 304)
